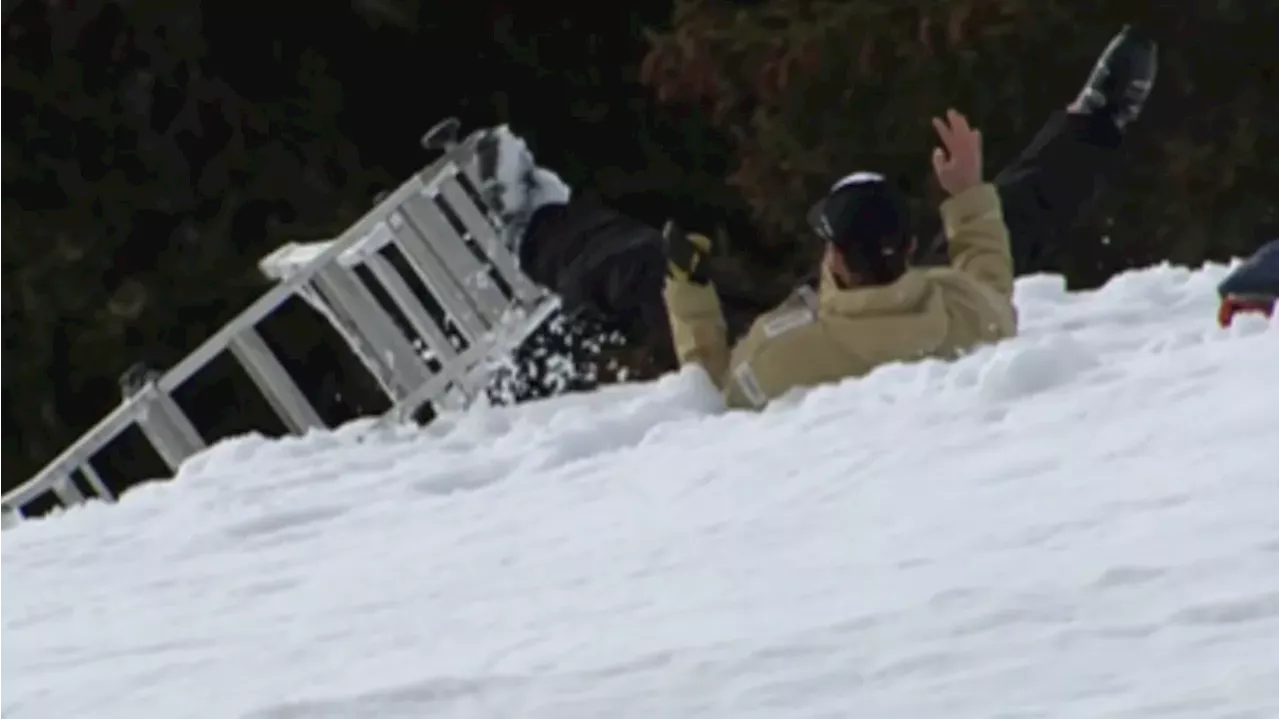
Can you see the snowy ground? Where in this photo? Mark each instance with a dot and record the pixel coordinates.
(1078, 523)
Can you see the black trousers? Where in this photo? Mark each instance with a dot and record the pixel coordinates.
(1047, 187)
(611, 267)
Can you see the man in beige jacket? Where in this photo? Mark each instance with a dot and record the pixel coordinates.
(612, 271)
(870, 307)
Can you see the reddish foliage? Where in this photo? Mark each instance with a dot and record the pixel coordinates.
(806, 89)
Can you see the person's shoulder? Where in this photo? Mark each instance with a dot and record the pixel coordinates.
(947, 276)
(957, 289)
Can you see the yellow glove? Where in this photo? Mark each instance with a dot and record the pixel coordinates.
(687, 254)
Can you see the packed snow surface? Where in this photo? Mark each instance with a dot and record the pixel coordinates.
(1081, 522)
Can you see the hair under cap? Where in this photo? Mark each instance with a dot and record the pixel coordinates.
(866, 219)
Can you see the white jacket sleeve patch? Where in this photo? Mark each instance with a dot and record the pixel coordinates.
(786, 321)
(746, 379)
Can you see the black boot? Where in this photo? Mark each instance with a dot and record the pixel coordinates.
(1121, 81)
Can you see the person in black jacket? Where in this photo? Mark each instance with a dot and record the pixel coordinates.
(609, 268)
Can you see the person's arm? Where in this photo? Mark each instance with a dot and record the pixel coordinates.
(697, 327)
(698, 331)
(977, 237)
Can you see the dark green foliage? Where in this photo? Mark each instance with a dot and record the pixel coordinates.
(811, 90)
(140, 186)
(154, 151)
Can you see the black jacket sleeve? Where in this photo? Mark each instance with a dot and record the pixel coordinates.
(601, 263)
(594, 257)
(612, 268)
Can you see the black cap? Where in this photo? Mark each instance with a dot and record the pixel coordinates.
(866, 219)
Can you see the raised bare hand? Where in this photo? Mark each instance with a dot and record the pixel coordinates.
(958, 163)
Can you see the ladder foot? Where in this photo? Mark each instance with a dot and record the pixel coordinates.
(443, 136)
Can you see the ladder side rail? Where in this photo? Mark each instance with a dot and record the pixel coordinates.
(402, 368)
(437, 232)
(273, 380)
(94, 480)
(485, 234)
(284, 289)
(425, 262)
(444, 285)
(418, 316)
(89, 444)
(167, 427)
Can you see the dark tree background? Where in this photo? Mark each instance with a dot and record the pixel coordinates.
(807, 90)
(154, 150)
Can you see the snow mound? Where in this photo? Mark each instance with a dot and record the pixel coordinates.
(1080, 522)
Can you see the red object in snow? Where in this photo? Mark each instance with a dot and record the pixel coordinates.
(1233, 305)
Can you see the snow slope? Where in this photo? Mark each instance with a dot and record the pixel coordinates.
(1081, 522)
